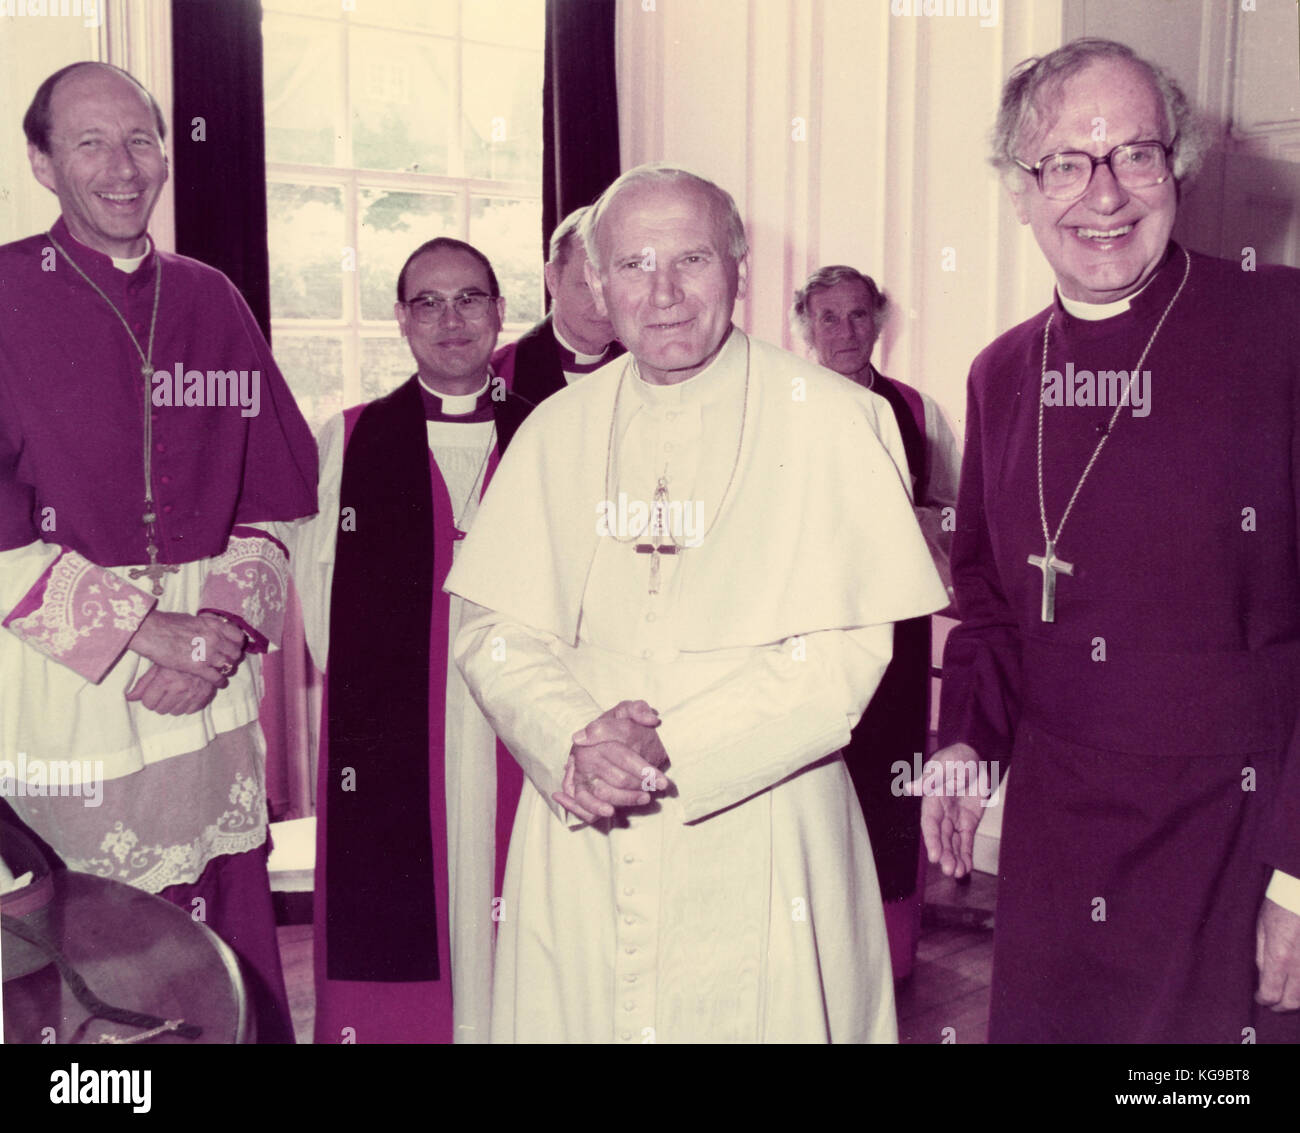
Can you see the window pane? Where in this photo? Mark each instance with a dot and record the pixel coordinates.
(393, 225)
(385, 364)
(426, 15)
(301, 72)
(509, 233)
(328, 8)
(516, 22)
(313, 367)
(304, 228)
(402, 101)
(503, 123)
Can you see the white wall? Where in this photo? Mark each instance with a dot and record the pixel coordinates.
(133, 34)
(891, 170)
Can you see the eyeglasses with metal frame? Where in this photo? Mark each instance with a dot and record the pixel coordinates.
(429, 308)
(1134, 165)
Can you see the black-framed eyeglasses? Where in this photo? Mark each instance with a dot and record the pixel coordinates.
(1135, 165)
(470, 305)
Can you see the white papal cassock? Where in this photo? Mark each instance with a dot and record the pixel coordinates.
(742, 905)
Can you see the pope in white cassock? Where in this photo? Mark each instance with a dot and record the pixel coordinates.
(688, 567)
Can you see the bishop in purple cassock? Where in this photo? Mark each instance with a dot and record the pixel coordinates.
(147, 439)
(1127, 569)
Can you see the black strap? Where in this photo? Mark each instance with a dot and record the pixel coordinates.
(381, 919)
(538, 370)
(913, 437)
(87, 998)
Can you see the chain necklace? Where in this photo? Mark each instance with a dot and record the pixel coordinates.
(661, 499)
(155, 570)
(1047, 562)
(458, 516)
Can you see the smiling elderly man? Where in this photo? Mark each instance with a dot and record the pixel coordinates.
(1129, 587)
(690, 863)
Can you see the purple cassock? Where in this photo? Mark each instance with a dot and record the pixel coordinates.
(1151, 724)
(71, 424)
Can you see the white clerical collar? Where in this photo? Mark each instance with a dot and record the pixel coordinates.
(129, 265)
(578, 356)
(459, 404)
(1095, 312)
(718, 379)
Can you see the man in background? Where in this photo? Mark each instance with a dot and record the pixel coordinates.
(840, 313)
(574, 339)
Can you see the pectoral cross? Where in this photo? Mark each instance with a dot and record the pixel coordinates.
(1049, 564)
(154, 571)
(655, 550)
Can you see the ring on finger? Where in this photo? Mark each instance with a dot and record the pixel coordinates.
(225, 668)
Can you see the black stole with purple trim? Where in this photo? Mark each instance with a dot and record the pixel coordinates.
(381, 915)
(378, 852)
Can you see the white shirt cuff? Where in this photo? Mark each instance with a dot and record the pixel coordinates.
(1285, 891)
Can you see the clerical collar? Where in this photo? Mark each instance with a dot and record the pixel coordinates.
(578, 357)
(467, 407)
(1095, 312)
(129, 265)
(717, 380)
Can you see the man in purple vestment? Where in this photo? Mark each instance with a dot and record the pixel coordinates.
(1127, 569)
(573, 340)
(146, 439)
(415, 799)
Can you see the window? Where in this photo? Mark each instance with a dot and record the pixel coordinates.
(390, 122)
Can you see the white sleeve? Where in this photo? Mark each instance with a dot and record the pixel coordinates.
(527, 694)
(311, 542)
(791, 705)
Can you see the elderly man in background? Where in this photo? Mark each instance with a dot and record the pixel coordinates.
(415, 806)
(689, 565)
(1127, 570)
(840, 313)
(575, 339)
(138, 580)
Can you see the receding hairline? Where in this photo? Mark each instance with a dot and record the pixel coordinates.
(1043, 109)
(38, 120)
(729, 228)
(103, 70)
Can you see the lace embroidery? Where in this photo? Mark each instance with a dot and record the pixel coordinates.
(154, 867)
(248, 579)
(81, 599)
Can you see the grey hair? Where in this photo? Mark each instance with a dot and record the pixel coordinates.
(826, 277)
(725, 214)
(1034, 87)
(562, 239)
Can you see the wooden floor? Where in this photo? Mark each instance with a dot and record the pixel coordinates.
(945, 1000)
(947, 997)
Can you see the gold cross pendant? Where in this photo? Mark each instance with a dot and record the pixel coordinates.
(154, 571)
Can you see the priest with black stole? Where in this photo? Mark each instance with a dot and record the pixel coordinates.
(1127, 569)
(415, 801)
(574, 340)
